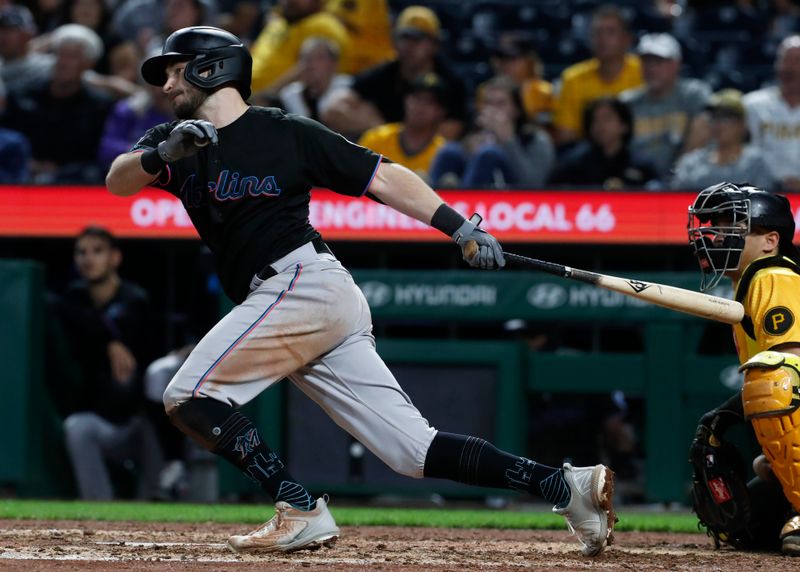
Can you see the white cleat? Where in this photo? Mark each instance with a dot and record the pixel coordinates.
(590, 511)
(290, 529)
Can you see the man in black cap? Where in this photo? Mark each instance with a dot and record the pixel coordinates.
(376, 96)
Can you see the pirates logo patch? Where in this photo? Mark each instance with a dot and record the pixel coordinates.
(778, 320)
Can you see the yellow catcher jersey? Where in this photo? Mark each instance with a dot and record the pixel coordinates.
(770, 292)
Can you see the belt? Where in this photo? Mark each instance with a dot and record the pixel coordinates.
(319, 245)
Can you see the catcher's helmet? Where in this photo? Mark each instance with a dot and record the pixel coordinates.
(720, 218)
(214, 57)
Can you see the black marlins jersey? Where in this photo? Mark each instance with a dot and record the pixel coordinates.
(248, 196)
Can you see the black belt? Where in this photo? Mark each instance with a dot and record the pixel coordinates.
(319, 245)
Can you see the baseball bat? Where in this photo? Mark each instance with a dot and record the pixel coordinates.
(671, 297)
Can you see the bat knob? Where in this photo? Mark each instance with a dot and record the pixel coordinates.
(470, 250)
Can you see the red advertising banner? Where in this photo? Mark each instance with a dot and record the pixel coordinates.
(513, 216)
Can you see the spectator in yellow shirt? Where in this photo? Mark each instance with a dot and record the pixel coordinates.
(370, 29)
(276, 51)
(415, 141)
(611, 71)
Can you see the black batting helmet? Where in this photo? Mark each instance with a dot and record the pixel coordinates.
(214, 58)
(722, 215)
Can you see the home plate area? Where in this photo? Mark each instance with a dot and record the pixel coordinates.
(82, 545)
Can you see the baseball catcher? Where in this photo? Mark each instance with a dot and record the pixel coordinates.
(747, 234)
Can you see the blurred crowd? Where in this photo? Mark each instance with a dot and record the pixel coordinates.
(508, 94)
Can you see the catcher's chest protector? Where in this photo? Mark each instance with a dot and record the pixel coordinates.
(777, 430)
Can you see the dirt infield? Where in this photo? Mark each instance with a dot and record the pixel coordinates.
(72, 545)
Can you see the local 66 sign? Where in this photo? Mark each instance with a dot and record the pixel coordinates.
(513, 216)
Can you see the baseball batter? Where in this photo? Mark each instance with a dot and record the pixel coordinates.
(244, 175)
(746, 233)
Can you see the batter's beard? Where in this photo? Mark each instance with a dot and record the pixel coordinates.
(192, 101)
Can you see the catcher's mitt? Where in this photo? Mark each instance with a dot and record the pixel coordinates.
(719, 490)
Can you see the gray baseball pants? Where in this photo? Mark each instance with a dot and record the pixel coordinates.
(311, 324)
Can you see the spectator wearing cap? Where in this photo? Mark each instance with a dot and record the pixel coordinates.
(62, 116)
(611, 71)
(377, 95)
(311, 93)
(605, 158)
(773, 117)
(20, 66)
(502, 150)
(516, 58)
(727, 157)
(667, 108)
(369, 27)
(276, 51)
(415, 141)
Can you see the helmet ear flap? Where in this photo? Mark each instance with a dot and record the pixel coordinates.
(229, 64)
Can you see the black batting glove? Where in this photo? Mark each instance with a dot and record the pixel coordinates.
(490, 253)
(186, 139)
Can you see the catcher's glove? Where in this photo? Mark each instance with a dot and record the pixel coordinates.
(719, 490)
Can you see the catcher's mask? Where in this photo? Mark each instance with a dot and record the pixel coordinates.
(723, 215)
(213, 58)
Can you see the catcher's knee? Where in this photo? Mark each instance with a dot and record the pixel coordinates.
(762, 469)
(771, 385)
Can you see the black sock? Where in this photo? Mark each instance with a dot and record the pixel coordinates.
(224, 431)
(475, 461)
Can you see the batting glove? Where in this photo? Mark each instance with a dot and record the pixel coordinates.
(489, 255)
(186, 139)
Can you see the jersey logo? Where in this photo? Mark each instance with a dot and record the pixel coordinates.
(778, 320)
(229, 186)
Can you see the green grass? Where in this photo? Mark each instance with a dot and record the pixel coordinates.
(345, 516)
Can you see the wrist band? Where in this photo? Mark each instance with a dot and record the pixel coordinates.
(447, 220)
(152, 162)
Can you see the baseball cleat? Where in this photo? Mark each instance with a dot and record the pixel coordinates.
(290, 530)
(590, 511)
(790, 537)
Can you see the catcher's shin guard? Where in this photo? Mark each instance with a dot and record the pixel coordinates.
(771, 398)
